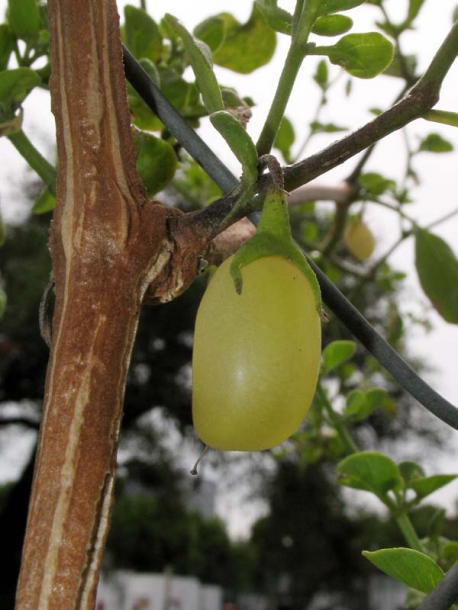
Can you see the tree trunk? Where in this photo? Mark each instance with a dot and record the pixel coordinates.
(108, 243)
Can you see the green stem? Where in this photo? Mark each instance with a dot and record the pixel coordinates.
(288, 76)
(440, 65)
(408, 531)
(336, 420)
(274, 219)
(35, 159)
(442, 116)
(303, 20)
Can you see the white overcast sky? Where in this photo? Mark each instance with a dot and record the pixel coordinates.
(436, 196)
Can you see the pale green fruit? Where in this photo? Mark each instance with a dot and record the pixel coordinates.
(256, 356)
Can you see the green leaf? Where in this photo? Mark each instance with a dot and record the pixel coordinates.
(361, 55)
(212, 31)
(141, 34)
(277, 18)
(200, 58)
(437, 269)
(45, 202)
(244, 47)
(318, 127)
(6, 45)
(183, 95)
(24, 18)
(336, 353)
(156, 162)
(425, 486)
(450, 552)
(359, 405)
(239, 142)
(335, 6)
(332, 25)
(369, 471)
(321, 75)
(435, 143)
(15, 85)
(414, 8)
(377, 398)
(414, 569)
(376, 184)
(356, 407)
(410, 471)
(285, 139)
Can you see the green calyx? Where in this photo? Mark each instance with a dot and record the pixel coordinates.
(273, 238)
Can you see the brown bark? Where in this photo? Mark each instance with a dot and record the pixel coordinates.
(109, 244)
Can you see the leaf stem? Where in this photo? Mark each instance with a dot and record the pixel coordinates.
(288, 76)
(303, 20)
(408, 531)
(336, 420)
(442, 116)
(35, 159)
